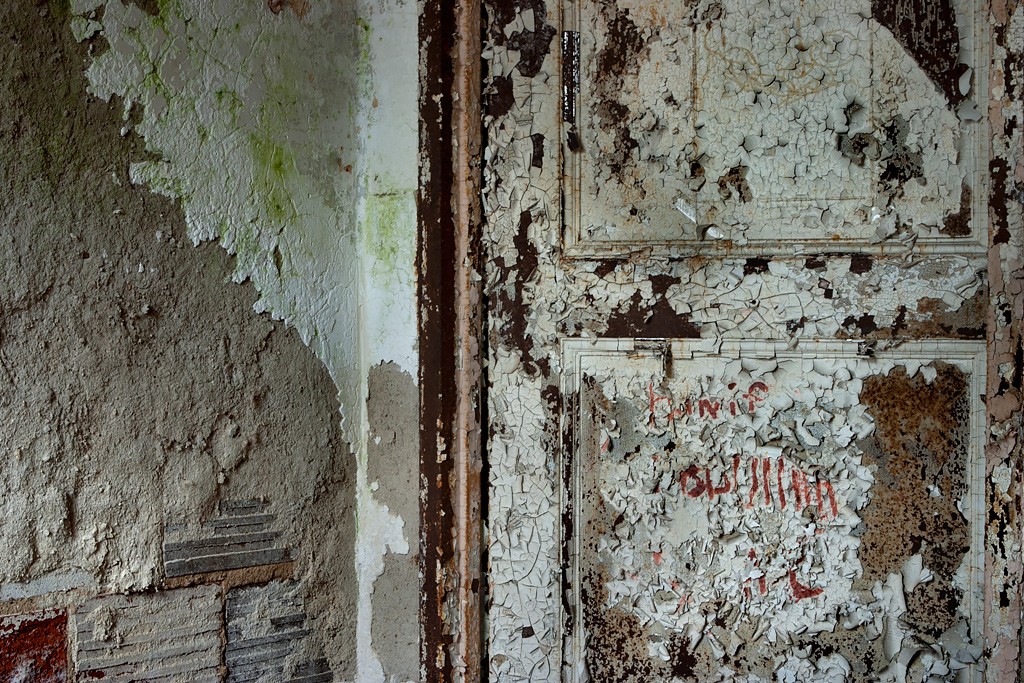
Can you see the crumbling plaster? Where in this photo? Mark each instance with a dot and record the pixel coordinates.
(285, 132)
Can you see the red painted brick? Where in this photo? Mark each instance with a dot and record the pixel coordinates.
(34, 648)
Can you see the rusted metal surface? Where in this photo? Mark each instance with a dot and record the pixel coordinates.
(438, 324)
(466, 618)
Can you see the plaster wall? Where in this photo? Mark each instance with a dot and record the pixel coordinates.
(209, 227)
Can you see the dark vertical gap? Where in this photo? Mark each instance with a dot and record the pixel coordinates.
(484, 393)
(436, 292)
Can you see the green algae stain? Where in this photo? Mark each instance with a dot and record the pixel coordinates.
(273, 167)
(228, 99)
(388, 214)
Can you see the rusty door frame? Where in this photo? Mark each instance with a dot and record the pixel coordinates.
(451, 341)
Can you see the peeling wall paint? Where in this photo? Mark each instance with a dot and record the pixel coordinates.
(303, 171)
(1005, 537)
(733, 529)
(285, 133)
(602, 120)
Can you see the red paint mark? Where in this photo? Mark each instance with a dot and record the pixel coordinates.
(661, 408)
(757, 393)
(717, 490)
(34, 650)
(801, 591)
(782, 491)
(697, 481)
(817, 498)
(831, 496)
(653, 401)
(711, 408)
(798, 487)
(753, 488)
(692, 473)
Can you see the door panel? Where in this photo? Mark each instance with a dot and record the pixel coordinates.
(732, 504)
(756, 127)
(727, 272)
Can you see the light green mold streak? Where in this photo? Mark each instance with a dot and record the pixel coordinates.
(275, 173)
(274, 165)
(385, 227)
(248, 113)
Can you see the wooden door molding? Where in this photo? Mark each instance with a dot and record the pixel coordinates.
(450, 343)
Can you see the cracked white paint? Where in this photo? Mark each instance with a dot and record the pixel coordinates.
(290, 138)
(805, 192)
(735, 485)
(766, 122)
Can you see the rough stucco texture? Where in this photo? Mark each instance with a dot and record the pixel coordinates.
(137, 385)
(392, 411)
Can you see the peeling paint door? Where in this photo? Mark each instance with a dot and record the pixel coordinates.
(736, 271)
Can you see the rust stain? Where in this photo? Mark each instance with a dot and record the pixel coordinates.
(298, 7)
(659, 321)
(533, 46)
(959, 224)
(927, 29)
(919, 448)
(735, 181)
(233, 578)
(617, 69)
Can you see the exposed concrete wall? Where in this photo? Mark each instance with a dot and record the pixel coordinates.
(215, 396)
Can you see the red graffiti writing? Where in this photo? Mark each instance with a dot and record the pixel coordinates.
(663, 412)
(762, 585)
(801, 591)
(770, 480)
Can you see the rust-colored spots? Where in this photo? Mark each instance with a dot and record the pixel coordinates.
(919, 448)
(756, 265)
(933, 319)
(532, 46)
(858, 148)
(860, 264)
(659, 321)
(618, 64)
(34, 648)
(734, 182)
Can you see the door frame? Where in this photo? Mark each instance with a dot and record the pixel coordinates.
(451, 343)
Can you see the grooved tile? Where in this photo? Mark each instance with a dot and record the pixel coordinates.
(267, 635)
(172, 636)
